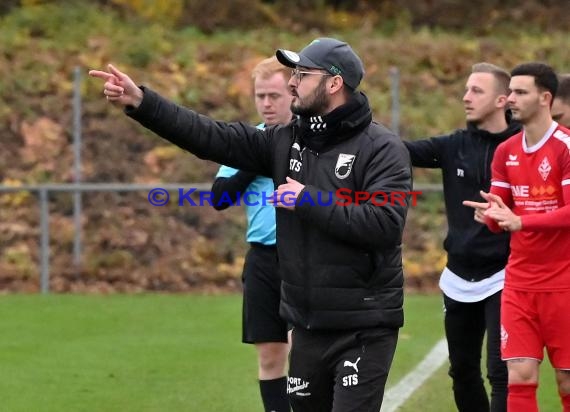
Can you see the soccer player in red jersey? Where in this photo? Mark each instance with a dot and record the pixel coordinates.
(530, 197)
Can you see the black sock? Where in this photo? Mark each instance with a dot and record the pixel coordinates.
(274, 395)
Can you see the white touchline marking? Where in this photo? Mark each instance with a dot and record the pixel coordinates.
(399, 393)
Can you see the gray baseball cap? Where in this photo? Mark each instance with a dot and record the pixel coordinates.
(332, 55)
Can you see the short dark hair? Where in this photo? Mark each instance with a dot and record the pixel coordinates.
(502, 77)
(563, 91)
(544, 76)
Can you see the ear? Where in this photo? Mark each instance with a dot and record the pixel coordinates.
(501, 101)
(546, 98)
(335, 84)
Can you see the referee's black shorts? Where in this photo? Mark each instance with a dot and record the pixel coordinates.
(261, 295)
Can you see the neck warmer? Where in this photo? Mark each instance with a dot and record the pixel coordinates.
(319, 132)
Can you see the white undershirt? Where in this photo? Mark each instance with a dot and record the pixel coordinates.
(462, 290)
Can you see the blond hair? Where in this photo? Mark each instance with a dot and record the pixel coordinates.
(268, 67)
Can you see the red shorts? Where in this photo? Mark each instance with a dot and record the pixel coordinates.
(531, 321)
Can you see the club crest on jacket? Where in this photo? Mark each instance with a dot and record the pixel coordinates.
(344, 165)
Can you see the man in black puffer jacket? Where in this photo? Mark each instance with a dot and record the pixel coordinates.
(476, 258)
(341, 201)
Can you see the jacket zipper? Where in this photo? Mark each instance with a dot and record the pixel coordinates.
(486, 164)
(307, 274)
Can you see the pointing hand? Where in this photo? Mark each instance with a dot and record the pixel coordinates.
(119, 88)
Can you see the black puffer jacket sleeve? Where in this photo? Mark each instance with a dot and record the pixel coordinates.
(233, 187)
(238, 145)
(366, 225)
(427, 152)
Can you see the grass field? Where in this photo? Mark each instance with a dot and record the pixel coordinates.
(166, 353)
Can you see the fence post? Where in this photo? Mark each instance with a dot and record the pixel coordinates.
(395, 88)
(44, 239)
(77, 206)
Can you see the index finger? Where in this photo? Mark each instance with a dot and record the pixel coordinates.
(496, 198)
(475, 205)
(101, 74)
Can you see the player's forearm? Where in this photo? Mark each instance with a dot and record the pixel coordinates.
(556, 219)
(227, 190)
